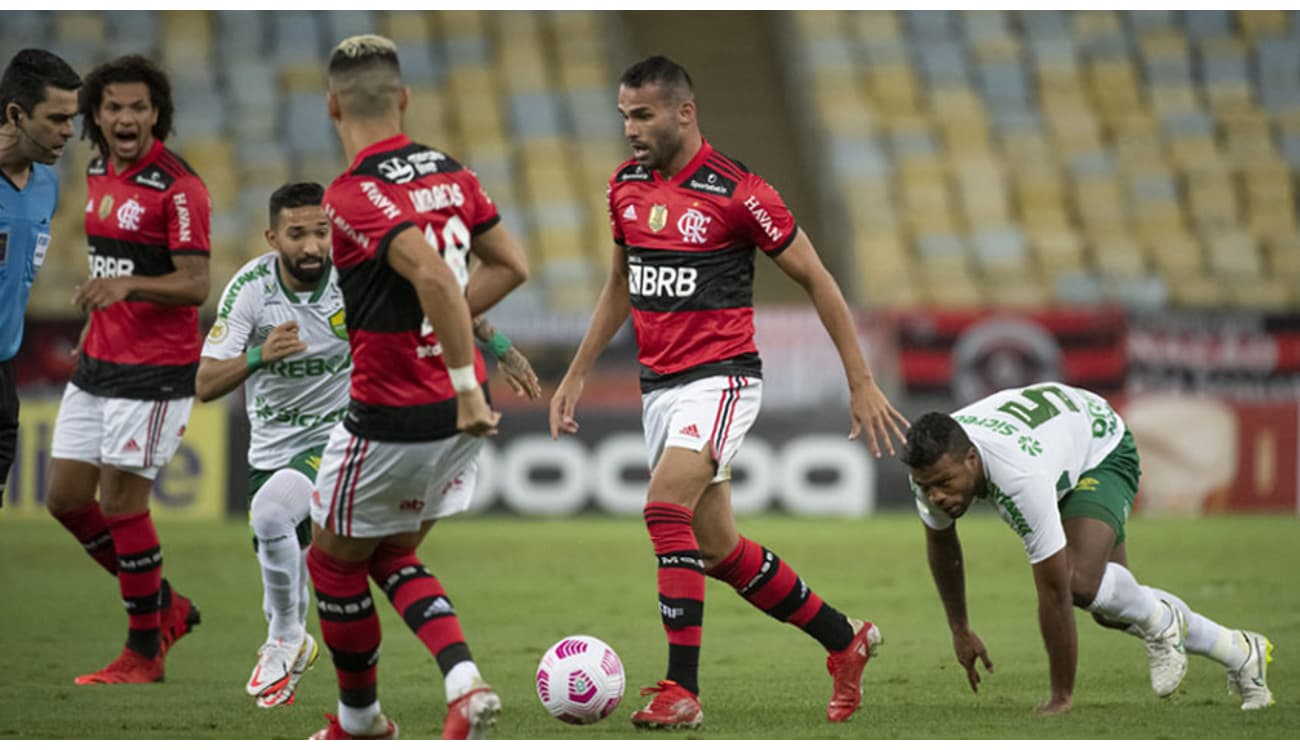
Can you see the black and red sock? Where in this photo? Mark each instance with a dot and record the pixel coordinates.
(139, 575)
(422, 602)
(89, 526)
(348, 624)
(768, 583)
(681, 588)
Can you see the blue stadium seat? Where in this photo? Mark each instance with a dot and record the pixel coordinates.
(341, 24)
(468, 51)
(241, 35)
(295, 37)
(942, 64)
(1208, 24)
(1044, 23)
(534, 115)
(420, 64)
(1150, 20)
(860, 158)
(930, 25)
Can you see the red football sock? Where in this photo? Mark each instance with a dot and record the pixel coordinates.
(87, 524)
(139, 575)
(348, 624)
(681, 588)
(422, 602)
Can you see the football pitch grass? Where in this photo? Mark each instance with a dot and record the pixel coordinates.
(520, 585)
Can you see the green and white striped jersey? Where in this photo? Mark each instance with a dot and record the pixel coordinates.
(292, 404)
(1034, 443)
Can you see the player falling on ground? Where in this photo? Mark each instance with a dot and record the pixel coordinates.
(686, 220)
(38, 102)
(280, 328)
(405, 219)
(123, 414)
(1061, 469)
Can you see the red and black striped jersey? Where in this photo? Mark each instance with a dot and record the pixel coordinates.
(136, 222)
(401, 390)
(690, 242)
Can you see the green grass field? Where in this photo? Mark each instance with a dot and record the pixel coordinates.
(520, 585)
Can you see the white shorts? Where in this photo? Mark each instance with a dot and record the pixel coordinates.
(716, 411)
(369, 488)
(126, 433)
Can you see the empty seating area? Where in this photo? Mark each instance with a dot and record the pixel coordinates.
(1146, 158)
(526, 98)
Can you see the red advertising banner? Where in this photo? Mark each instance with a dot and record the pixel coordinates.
(1203, 455)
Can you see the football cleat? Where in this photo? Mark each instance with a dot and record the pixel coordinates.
(383, 728)
(1249, 680)
(673, 707)
(472, 715)
(304, 660)
(179, 617)
(1167, 653)
(128, 668)
(845, 668)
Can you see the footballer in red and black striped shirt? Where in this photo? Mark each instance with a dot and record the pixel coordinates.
(122, 416)
(686, 222)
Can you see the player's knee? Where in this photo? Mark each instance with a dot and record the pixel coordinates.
(1083, 588)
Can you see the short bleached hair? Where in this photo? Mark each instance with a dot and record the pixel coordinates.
(365, 75)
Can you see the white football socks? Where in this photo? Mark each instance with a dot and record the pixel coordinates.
(361, 721)
(461, 679)
(1121, 598)
(1207, 637)
(278, 507)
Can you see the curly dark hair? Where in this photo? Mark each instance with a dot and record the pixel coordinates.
(125, 69)
(932, 437)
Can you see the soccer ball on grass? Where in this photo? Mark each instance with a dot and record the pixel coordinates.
(580, 680)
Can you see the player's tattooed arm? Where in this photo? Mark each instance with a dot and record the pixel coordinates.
(514, 365)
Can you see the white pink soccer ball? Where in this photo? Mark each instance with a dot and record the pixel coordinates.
(580, 680)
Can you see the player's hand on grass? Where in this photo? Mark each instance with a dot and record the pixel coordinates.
(519, 374)
(1055, 707)
(968, 647)
(97, 294)
(474, 416)
(282, 342)
(873, 411)
(563, 404)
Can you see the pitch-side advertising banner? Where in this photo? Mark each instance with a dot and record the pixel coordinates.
(192, 486)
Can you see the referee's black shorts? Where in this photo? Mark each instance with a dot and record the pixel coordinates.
(8, 421)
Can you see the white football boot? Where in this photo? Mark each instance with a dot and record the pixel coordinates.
(1167, 653)
(1249, 680)
(284, 694)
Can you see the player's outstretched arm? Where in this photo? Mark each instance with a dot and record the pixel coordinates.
(187, 285)
(445, 308)
(501, 267)
(612, 309)
(1056, 620)
(869, 407)
(943, 550)
(514, 365)
(217, 377)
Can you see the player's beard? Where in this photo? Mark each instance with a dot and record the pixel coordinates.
(308, 275)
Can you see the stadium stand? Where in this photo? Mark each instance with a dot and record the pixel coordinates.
(1144, 158)
(1018, 158)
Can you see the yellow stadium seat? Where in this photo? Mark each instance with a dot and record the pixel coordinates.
(1264, 23)
(407, 26)
(427, 119)
(1233, 253)
(1283, 256)
(1175, 253)
(1117, 254)
(82, 28)
(1199, 292)
(1264, 294)
(304, 78)
(873, 24)
(893, 87)
(461, 24)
